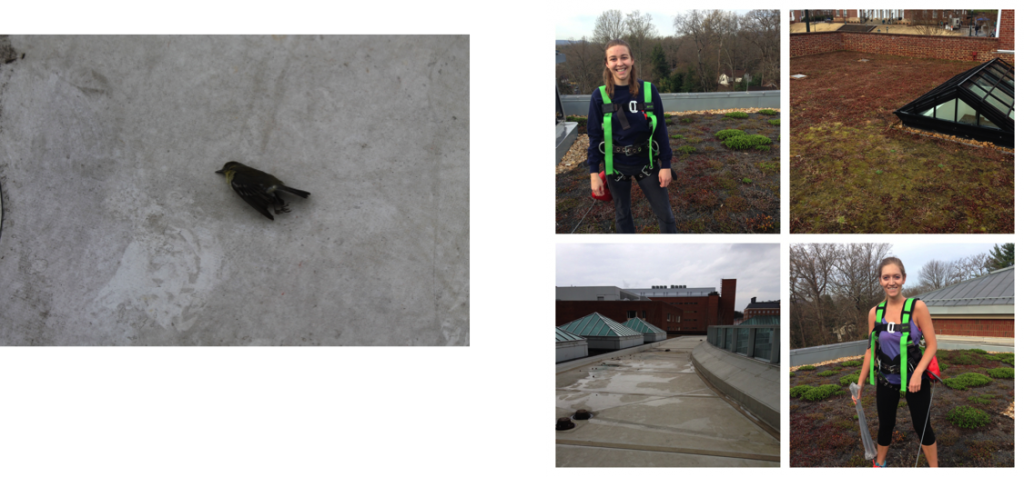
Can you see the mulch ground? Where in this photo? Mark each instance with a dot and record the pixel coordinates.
(826, 433)
(718, 190)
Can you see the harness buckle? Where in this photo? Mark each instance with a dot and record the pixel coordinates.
(891, 328)
(600, 147)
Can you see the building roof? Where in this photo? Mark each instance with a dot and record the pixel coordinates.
(988, 294)
(671, 292)
(594, 293)
(976, 104)
(762, 320)
(561, 335)
(596, 324)
(764, 304)
(636, 324)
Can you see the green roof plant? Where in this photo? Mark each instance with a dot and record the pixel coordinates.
(736, 115)
(851, 363)
(797, 391)
(806, 367)
(967, 380)
(775, 122)
(727, 133)
(746, 141)
(828, 373)
(822, 392)
(967, 417)
(849, 379)
(768, 112)
(1001, 373)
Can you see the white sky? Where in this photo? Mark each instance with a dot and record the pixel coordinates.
(914, 256)
(641, 265)
(579, 20)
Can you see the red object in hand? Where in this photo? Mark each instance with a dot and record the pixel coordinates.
(607, 196)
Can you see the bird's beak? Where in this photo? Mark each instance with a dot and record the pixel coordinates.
(220, 171)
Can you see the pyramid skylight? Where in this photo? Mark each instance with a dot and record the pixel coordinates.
(976, 104)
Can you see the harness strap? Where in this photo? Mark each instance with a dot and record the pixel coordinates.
(608, 109)
(609, 169)
(652, 119)
(905, 335)
(904, 329)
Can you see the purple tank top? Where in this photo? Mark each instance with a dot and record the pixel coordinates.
(890, 344)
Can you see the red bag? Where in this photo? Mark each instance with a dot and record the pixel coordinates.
(607, 196)
(933, 369)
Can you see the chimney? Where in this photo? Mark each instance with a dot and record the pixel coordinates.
(753, 300)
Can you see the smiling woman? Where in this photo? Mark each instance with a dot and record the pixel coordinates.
(629, 145)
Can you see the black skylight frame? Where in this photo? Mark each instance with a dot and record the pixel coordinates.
(986, 88)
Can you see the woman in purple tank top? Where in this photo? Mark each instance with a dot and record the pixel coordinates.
(892, 276)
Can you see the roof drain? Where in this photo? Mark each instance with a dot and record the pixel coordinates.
(564, 424)
(582, 415)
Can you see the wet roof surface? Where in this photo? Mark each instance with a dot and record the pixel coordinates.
(651, 408)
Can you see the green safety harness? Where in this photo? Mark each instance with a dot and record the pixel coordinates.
(608, 109)
(904, 328)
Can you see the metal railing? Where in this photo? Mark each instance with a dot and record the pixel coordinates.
(760, 342)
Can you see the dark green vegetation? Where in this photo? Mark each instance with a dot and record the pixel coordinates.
(967, 417)
(736, 115)
(828, 373)
(969, 423)
(746, 141)
(850, 172)
(718, 190)
(774, 122)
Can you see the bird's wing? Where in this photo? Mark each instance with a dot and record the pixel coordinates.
(255, 196)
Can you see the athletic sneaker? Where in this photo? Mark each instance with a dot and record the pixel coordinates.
(874, 464)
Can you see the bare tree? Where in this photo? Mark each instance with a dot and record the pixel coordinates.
(813, 267)
(584, 64)
(702, 26)
(638, 29)
(725, 26)
(857, 279)
(935, 274)
(609, 26)
(762, 29)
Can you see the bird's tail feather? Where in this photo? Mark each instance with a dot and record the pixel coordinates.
(300, 193)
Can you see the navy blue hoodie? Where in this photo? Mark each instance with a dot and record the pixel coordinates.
(638, 132)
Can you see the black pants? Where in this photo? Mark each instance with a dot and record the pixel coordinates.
(656, 195)
(889, 398)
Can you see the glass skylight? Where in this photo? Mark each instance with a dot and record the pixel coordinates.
(976, 104)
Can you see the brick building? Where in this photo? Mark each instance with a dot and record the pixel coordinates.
(958, 48)
(762, 309)
(980, 306)
(675, 309)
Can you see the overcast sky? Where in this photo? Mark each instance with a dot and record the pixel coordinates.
(914, 256)
(579, 20)
(754, 266)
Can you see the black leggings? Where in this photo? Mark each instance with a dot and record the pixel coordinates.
(889, 399)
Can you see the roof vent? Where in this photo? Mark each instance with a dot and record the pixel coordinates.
(582, 415)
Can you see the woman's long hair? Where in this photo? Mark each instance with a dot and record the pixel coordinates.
(609, 79)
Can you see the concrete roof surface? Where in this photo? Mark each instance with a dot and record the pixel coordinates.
(118, 232)
(651, 409)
